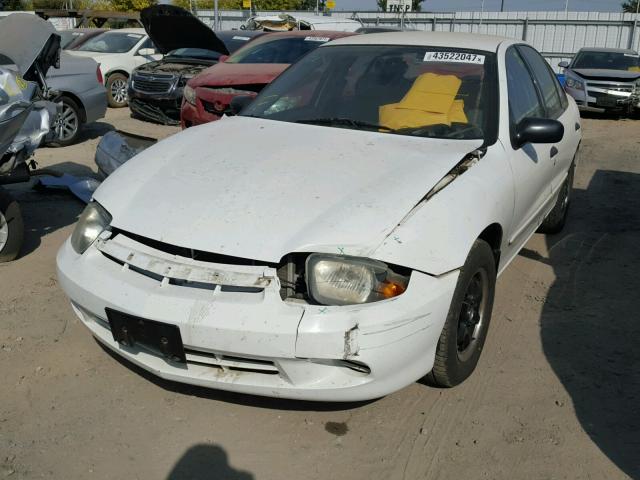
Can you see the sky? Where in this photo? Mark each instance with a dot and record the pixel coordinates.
(494, 5)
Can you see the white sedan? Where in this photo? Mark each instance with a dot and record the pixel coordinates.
(118, 52)
(341, 237)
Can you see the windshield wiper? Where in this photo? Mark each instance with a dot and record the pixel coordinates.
(344, 121)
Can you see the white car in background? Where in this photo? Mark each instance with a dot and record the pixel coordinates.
(346, 240)
(118, 52)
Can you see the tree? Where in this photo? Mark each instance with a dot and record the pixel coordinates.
(630, 6)
(416, 7)
(131, 5)
(11, 5)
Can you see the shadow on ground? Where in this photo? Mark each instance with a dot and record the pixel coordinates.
(206, 462)
(590, 324)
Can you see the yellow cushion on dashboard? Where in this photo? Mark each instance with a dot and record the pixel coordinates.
(429, 101)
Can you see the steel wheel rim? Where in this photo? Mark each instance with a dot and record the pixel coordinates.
(4, 231)
(67, 123)
(119, 91)
(472, 314)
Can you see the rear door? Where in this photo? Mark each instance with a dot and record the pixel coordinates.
(531, 164)
(556, 106)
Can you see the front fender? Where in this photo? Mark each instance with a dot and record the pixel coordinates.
(437, 235)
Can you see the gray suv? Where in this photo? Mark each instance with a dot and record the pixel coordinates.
(604, 80)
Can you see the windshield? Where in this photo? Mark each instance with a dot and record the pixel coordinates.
(111, 42)
(282, 50)
(406, 90)
(200, 53)
(607, 61)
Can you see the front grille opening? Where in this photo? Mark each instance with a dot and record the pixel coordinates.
(231, 363)
(192, 253)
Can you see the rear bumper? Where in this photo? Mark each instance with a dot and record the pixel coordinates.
(304, 347)
(95, 103)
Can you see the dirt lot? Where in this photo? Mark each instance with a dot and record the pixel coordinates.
(556, 394)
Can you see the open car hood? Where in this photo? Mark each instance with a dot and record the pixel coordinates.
(26, 39)
(171, 27)
(262, 195)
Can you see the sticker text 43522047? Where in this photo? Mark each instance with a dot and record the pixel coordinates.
(454, 57)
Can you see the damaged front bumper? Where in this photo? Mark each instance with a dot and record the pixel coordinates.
(238, 333)
(161, 108)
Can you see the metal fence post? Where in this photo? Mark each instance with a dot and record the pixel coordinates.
(525, 29)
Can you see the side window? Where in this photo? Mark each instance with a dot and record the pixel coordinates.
(546, 80)
(523, 98)
(147, 44)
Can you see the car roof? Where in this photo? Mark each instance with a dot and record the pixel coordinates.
(473, 41)
(611, 50)
(300, 33)
(323, 19)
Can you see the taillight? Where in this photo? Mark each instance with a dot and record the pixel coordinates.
(99, 75)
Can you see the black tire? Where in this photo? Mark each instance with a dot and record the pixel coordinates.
(465, 329)
(115, 95)
(11, 227)
(68, 124)
(555, 220)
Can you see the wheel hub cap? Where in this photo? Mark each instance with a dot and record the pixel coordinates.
(471, 314)
(4, 231)
(119, 91)
(66, 123)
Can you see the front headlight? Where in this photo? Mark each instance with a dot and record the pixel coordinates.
(93, 221)
(574, 83)
(189, 94)
(341, 280)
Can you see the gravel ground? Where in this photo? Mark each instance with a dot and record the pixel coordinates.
(556, 394)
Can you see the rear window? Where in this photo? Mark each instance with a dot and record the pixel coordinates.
(282, 50)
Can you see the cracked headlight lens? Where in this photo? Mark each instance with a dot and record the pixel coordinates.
(93, 221)
(342, 280)
(189, 94)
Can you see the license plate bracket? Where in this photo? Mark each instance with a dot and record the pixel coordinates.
(607, 101)
(131, 330)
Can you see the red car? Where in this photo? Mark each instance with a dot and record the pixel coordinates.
(207, 95)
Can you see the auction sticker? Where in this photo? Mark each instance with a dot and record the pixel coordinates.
(238, 37)
(454, 57)
(317, 39)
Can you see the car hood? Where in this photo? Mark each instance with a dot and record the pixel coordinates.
(238, 74)
(272, 187)
(27, 39)
(602, 74)
(171, 27)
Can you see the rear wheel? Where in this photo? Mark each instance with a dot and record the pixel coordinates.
(117, 90)
(11, 227)
(465, 329)
(68, 123)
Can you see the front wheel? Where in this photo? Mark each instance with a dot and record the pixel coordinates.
(11, 227)
(117, 90)
(557, 217)
(465, 329)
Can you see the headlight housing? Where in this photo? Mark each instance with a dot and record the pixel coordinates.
(93, 221)
(189, 94)
(574, 83)
(342, 280)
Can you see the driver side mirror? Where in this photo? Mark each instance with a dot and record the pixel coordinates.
(538, 130)
(147, 51)
(238, 103)
(564, 64)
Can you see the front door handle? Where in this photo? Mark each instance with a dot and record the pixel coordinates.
(578, 126)
(554, 152)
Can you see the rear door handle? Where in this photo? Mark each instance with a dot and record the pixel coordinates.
(554, 152)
